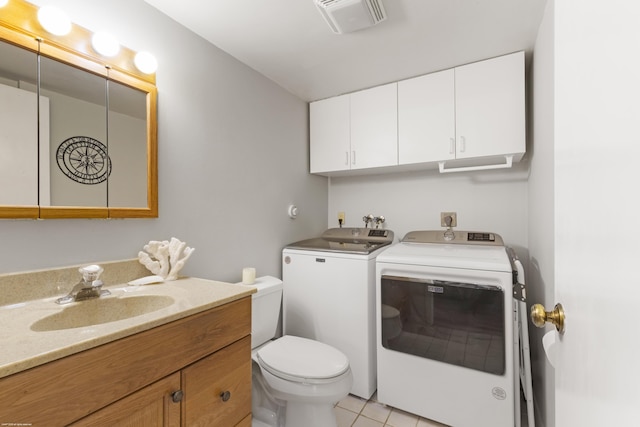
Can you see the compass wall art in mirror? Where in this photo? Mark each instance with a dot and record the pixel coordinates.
(78, 130)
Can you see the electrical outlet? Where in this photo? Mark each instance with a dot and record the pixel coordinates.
(341, 218)
(454, 219)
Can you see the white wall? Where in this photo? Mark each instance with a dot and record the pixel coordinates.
(493, 201)
(541, 211)
(233, 153)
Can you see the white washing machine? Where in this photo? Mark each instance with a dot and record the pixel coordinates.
(448, 342)
(329, 295)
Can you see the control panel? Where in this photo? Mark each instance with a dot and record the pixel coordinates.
(454, 237)
(360, 234)
(481, 237)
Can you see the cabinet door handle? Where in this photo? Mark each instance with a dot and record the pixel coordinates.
(225, 395)
(346, 158)
(452, 145)
(463, 144)
(177, 396)
(353, 157)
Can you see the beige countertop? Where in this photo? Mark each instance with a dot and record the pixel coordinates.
(22, 348)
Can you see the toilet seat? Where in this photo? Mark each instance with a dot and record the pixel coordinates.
(303, 360)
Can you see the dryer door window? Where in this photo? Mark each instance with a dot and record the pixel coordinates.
(451, 322)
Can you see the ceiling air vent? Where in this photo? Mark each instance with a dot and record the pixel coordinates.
(345, 16)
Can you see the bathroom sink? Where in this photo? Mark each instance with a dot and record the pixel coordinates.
(101, 310)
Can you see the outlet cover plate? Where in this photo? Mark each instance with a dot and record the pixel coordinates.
(454, 218)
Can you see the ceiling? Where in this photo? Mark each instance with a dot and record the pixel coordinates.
(289, 41)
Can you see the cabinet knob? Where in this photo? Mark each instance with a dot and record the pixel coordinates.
(177, 396)
(225, 395)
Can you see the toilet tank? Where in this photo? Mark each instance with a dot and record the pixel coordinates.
(265, 309)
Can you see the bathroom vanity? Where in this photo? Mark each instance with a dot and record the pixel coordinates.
(183, 365)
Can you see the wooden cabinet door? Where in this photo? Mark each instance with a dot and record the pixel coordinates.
(152, 406)
(426, 118)
(374, 127)
(217, 389)
(246, 421)
(330, 140)
(490, 107)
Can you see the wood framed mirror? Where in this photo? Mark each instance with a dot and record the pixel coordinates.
(78, 132)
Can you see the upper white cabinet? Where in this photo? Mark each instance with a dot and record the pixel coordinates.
(354, 131)
(467, 118)
(426, 118)
(475, 111)
(329, 124)
(374, 127)
(490, 107)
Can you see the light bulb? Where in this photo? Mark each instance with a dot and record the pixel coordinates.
(54, 20)
(146, 62)
(105, 44)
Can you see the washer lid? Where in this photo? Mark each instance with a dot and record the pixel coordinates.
(467, 257)
(296, 358)
(347, 240)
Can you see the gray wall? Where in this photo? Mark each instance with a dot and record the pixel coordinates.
(233, 154)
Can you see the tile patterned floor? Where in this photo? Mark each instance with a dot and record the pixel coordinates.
(354, 411)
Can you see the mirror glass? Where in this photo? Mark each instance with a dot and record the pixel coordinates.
(76, 106)
(18, 126)
(78, 131)
(127, 126)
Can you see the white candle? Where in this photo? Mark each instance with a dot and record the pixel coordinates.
(248, 276)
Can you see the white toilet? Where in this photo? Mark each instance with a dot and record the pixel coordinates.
(296, 381)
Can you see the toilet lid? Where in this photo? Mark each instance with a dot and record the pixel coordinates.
(295, 357)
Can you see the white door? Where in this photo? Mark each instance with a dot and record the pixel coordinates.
(597, 212)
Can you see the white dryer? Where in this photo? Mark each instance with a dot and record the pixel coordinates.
(329, 295)
(448, 344)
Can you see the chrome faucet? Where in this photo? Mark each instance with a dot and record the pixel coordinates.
(89, 287)
(378, 220)
(367, 220)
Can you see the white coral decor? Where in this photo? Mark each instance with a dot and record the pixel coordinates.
(165, 259)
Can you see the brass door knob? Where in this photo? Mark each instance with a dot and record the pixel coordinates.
(539, 316)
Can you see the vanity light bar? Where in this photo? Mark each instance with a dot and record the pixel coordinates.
(24, 17)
